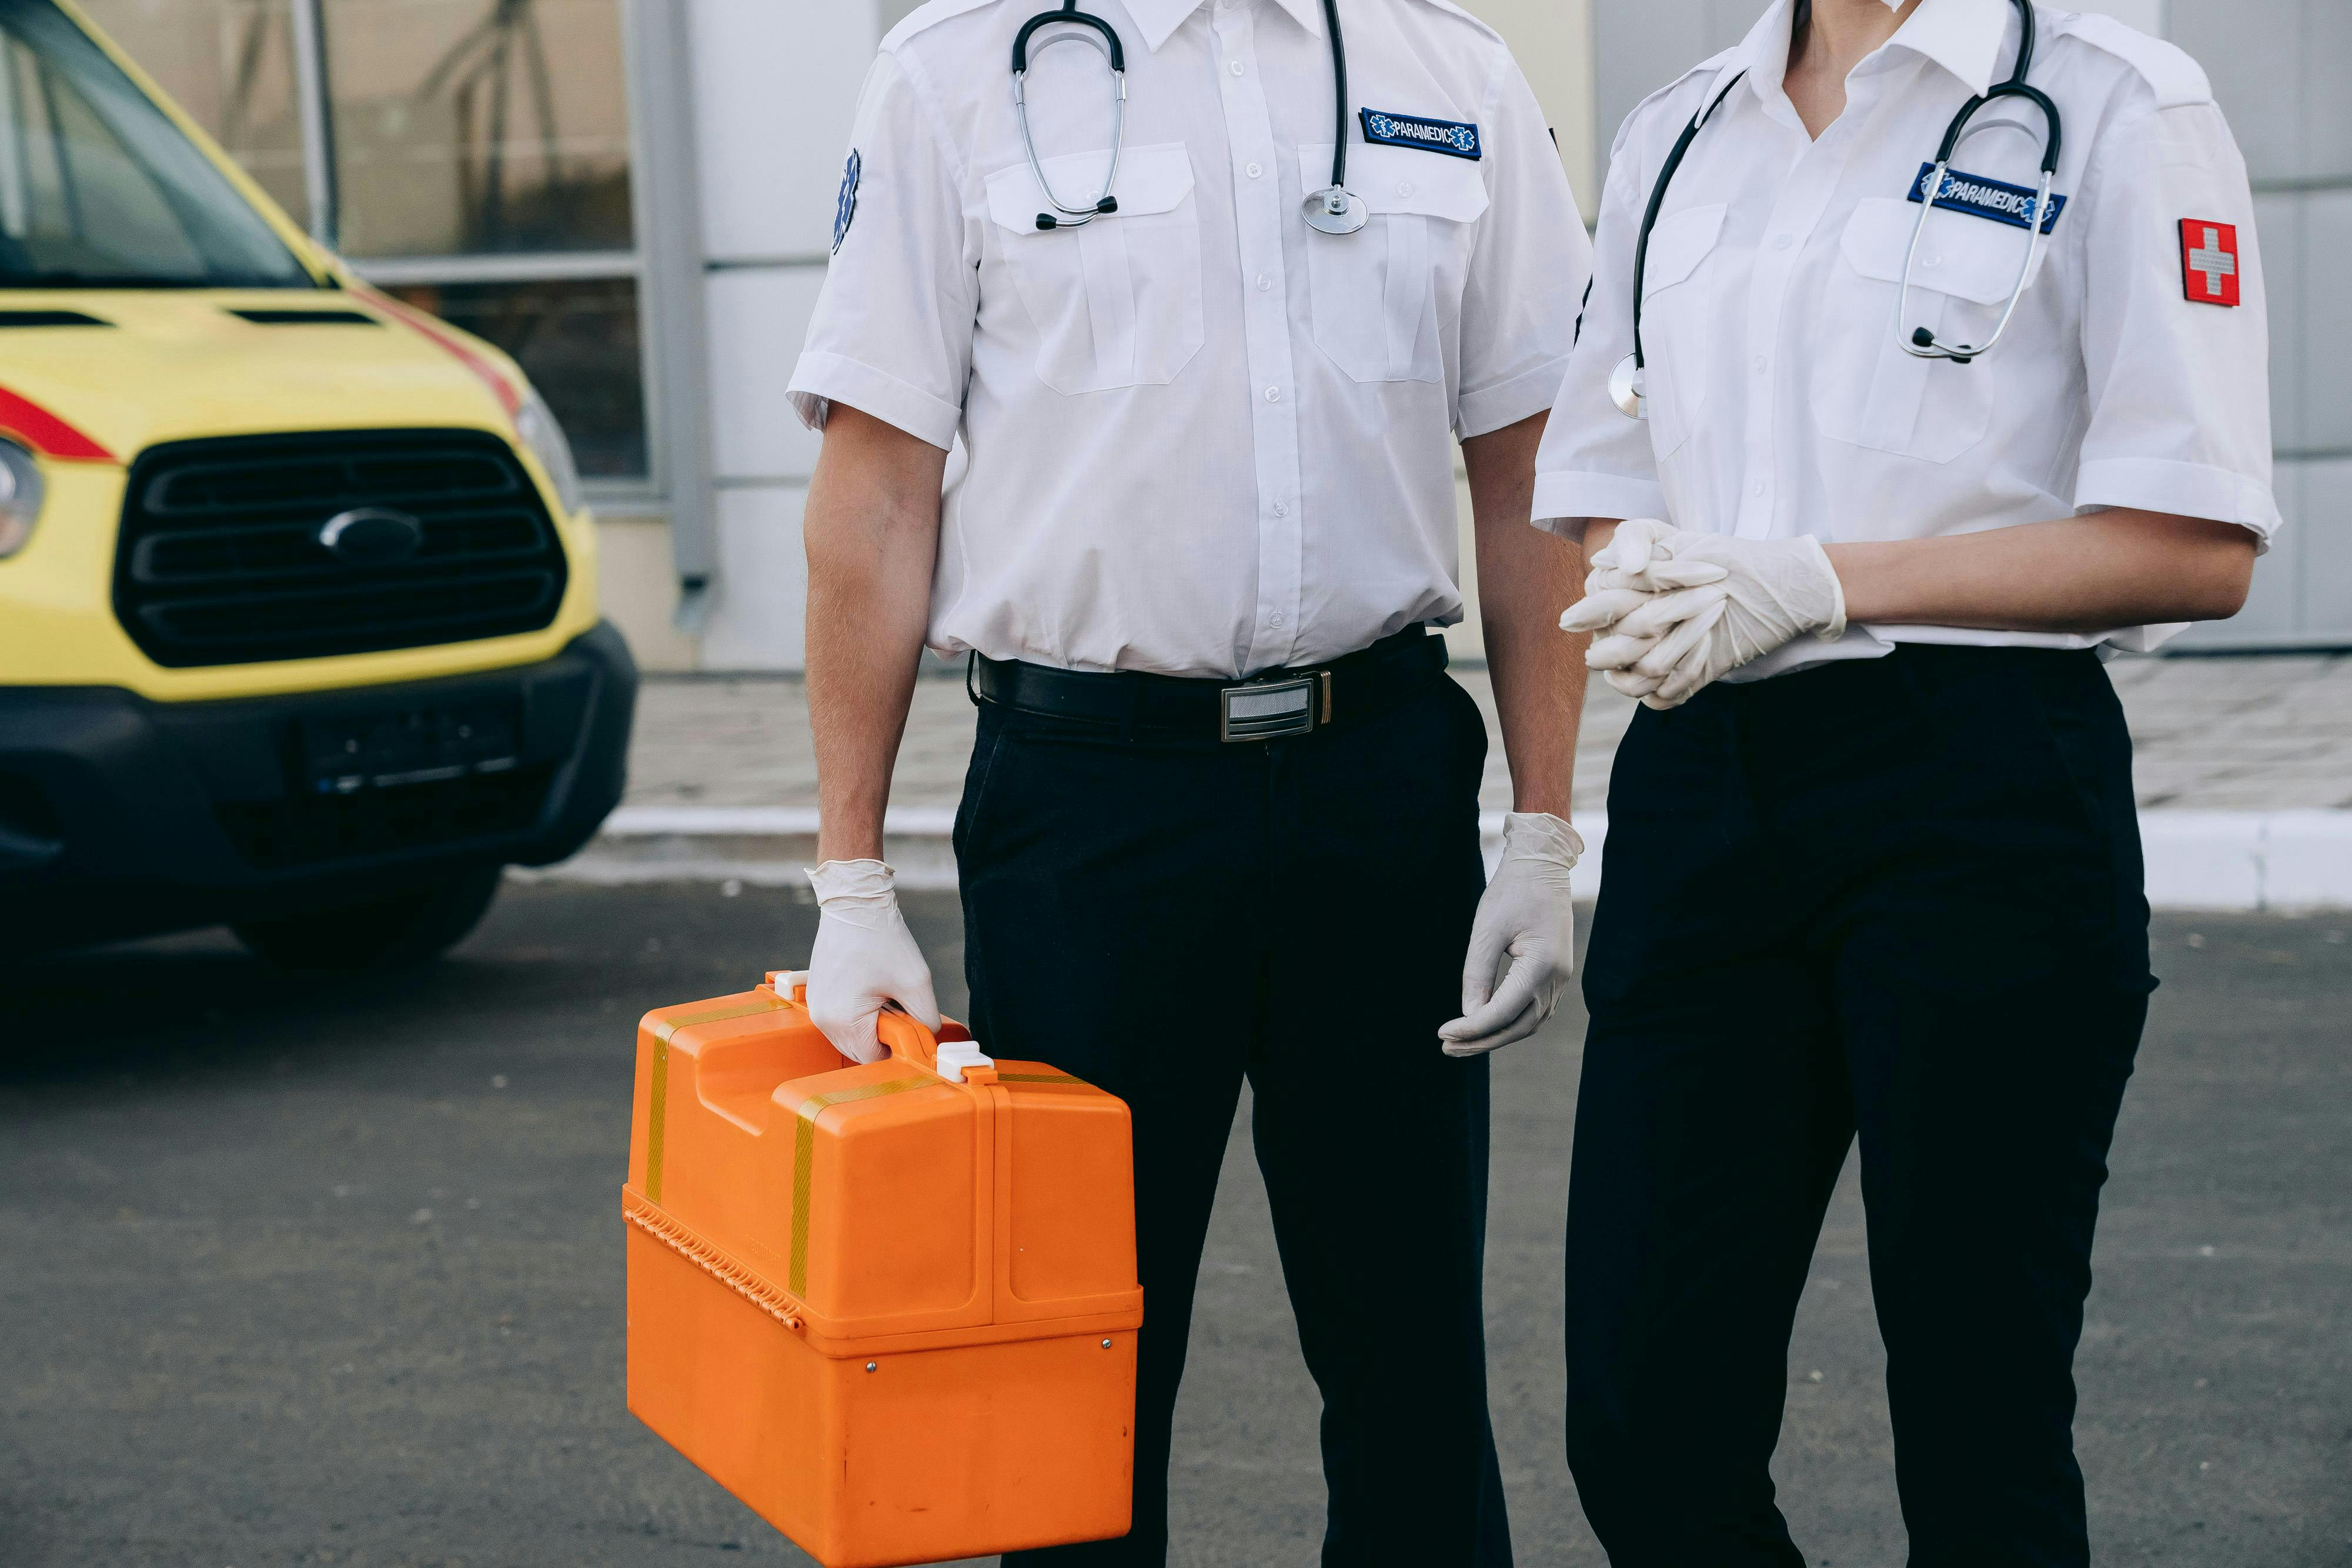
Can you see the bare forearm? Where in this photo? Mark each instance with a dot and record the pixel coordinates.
(1525, 578)
(871, 528)
(2077, 574)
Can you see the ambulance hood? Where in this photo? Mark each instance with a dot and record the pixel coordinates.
(101, 374)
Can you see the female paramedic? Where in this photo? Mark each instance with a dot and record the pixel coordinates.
(1940, 327)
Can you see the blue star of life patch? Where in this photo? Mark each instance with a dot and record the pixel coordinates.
(1454, 138)
(845, 211)
(1995, 199)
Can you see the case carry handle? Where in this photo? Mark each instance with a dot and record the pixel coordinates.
(946, 1053)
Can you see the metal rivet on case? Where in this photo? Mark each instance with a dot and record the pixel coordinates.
(873, 1367)
(1106, 1344)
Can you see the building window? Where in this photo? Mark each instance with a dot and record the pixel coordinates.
(577, 337)
(469, 156)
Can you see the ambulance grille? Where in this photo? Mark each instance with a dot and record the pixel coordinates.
(221, 560)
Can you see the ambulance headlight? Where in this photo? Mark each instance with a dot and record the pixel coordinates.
(22, 490)
(545, 439)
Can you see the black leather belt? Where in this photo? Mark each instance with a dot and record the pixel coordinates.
(1294, 701)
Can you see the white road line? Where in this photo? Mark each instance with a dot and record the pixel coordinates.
(2281, 861)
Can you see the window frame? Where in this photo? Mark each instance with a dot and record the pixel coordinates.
(654, 106)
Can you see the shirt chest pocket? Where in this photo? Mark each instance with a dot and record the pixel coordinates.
(1871, 392)
(1115, 302)
(1678, 325)
(1375, 292)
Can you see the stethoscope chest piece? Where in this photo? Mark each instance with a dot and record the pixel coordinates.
(1337, 211)
(1626, 388)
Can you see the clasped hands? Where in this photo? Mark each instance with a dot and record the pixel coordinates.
(1672, 611)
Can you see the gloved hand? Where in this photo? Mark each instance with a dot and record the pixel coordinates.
(1528, 914)
(864, 957)
(1689, 632)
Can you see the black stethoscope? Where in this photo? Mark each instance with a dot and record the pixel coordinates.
(1335, 211)
(1625, 383)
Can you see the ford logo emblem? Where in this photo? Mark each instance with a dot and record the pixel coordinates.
(371, 536)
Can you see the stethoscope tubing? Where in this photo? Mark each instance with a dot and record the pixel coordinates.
(1338, 198)
(1923, 344)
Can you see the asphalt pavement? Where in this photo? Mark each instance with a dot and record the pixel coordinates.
(306, 1271)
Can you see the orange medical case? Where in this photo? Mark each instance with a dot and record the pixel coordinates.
(892, 1307)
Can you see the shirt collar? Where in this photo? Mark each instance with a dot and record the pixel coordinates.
(1159, 18)
(1964, 36)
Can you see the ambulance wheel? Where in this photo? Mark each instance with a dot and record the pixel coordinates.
(413, 926)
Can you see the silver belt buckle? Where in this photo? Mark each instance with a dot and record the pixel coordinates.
(1264, 710)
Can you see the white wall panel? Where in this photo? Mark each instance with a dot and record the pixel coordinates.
(758, 319)
(776, 84)
(758, 620)
(2325, 324)
(2279, 222)
(2327, 108)
(2327, 525)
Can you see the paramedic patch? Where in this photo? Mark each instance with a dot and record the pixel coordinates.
(845, 211)
(2209, 261)
(1996, 199)
(1451, 137)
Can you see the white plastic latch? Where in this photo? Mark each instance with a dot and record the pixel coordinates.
(784, 982)
(956, 1055)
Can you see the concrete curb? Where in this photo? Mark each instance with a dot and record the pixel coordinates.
(2279, 862)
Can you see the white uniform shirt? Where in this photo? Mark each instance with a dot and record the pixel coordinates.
(1781, 402)
(1203, 439)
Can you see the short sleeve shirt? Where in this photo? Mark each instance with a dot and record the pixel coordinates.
(1199, 437)
(1780, 399)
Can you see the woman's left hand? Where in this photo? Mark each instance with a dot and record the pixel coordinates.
(1665, 638)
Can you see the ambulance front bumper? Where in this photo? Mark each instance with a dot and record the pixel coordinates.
(123, 817)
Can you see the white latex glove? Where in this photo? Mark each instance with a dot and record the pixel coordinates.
(1686, 635)
(1528, 916)
(864, 957)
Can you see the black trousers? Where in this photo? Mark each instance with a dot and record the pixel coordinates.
(1164, 918)
(1899, 899)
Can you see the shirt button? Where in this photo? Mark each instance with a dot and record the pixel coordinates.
(1404, 187)
(1254, 169)
(1236, 68)
(1275, 619)
(1783, 243)
(1263, 282)
(1281, 509)
(1274, 394)
(1762, 360)
(1932, 261)
(1756, 489)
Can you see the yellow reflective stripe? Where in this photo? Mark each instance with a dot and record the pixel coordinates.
(658, 1108)
(804, 1160)
(656, 1118)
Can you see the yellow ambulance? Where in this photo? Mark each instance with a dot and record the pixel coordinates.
(298, 596)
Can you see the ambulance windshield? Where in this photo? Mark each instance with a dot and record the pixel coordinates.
(98, 189)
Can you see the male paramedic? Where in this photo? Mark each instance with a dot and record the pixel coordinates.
(1221, 816)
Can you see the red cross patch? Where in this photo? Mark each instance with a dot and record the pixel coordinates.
(2209, 261)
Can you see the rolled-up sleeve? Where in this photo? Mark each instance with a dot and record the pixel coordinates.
(1528, 271)
(2180, 390)
(893, 329)
(1594, 462)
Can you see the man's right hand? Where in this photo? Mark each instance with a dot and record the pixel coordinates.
(864, 957)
